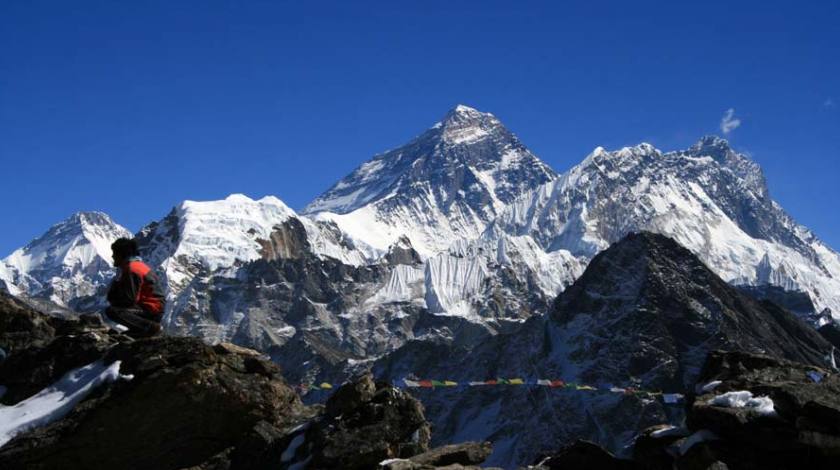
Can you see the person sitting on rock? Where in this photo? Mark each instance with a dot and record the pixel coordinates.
(135, 294)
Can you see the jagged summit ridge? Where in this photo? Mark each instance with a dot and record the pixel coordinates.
(710, 198)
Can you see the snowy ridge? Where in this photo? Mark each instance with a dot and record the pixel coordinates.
(216, 236)
(72, 259)
(211, 235)
(709, 198)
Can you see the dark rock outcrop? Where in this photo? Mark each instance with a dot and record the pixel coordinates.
(452, 457)
(21, 327)
(365, 423)
(402, 252)
(583, 455)
(804, 430)
(799, 429)
(831, 332)
(41, 348)
(468, 453)
(658, 295)
(184, 404)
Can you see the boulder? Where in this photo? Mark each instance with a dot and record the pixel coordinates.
(584, 455)
(802, 430)
(41, 348)
(467, 453)
(364, 424)
(651, 449)
(21, 327)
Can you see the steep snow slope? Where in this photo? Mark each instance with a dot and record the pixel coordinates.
(710, 198)
(71, 260)
(444, 185)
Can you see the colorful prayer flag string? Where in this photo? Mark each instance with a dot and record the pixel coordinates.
(667, 398)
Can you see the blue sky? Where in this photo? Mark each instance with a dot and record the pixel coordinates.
(131, 107)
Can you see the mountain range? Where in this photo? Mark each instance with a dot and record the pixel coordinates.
(463, 253)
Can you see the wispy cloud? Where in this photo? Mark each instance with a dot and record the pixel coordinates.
(729, 122)
(828, 103)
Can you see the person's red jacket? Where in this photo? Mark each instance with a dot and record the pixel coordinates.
(137, 286)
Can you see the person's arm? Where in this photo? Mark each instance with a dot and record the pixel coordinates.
(124, 289)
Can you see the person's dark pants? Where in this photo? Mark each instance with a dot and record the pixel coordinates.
(140, 323)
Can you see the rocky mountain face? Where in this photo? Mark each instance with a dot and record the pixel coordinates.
(258, 274)
(317, 316)
(643, 316)
(70, 261)
(177, 402)
(443, 186)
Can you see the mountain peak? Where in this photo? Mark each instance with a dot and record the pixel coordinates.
(650, 286)
(462, 110)
(78, 245)
(740, 163)
(713, 146)
(84, 219)
(453, 177)
(465, 125)
(86, 224)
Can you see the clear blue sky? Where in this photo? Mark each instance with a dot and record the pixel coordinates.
(131, 107)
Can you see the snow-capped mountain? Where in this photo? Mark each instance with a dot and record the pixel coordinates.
(71, 260)
(443, 186)
(710, 198)
(197, 240)
(454, 246)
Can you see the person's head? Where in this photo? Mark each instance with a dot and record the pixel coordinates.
(123, 249)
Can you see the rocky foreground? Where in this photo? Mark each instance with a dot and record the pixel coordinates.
(179, 403)
(749, 412)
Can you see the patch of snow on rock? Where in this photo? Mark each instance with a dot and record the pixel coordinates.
(744, 399)
(55, 401)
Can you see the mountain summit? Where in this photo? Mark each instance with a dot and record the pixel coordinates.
(444, 185)
(71, 260)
